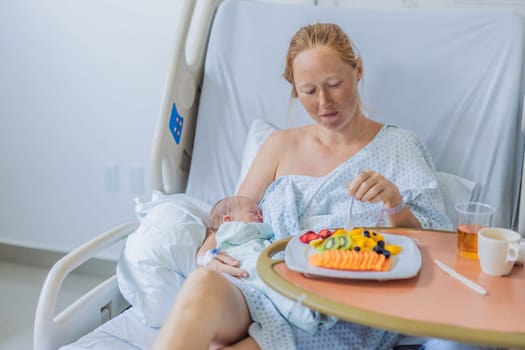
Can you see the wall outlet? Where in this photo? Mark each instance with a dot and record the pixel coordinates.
(111, 178)
(136, 178)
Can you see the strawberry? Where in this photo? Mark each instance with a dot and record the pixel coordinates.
(308, 236)
(324, 233)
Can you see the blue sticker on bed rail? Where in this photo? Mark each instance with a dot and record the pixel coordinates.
(176, 122)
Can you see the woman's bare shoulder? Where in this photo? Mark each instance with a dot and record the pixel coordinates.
(287, 137)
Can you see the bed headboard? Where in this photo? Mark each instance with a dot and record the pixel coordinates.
(454, 77)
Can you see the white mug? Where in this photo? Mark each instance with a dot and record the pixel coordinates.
(498, 250)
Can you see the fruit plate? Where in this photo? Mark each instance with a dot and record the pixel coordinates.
(406, 264)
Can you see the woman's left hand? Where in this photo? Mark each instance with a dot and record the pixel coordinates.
(370, 186)
(224, 263)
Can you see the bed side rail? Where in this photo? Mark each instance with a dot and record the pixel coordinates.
(173, 139)
(88, 312)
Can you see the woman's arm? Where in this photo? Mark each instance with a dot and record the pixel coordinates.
(370, 186)
(263, 169)
(222, 262)
(404, 218)
(209, 243)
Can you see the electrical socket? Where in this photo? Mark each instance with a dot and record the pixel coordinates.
(136, 178)
(111, 178)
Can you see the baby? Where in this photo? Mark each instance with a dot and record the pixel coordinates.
(234, 208)
(241, 233)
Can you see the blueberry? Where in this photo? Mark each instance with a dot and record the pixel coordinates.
(366, 233)
(381, 243)
(356, 248)
(378, 249)
(386, 253)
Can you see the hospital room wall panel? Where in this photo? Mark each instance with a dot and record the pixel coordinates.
(80, 88)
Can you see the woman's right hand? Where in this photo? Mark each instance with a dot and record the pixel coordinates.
(224, 263)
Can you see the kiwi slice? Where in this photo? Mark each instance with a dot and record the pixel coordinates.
(345, 241)
(330, 243)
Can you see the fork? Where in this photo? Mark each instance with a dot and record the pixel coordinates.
(350, 218)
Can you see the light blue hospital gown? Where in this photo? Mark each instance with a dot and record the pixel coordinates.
(294, 203)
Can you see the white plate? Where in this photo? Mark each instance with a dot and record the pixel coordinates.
(406, 264)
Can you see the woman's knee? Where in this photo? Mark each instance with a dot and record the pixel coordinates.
(205, 281)
(200, 276)
(201, 297)
(223, 303)
(211, 289)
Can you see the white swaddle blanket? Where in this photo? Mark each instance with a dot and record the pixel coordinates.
(245, 241)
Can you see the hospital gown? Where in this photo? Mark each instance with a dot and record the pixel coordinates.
(293, 203)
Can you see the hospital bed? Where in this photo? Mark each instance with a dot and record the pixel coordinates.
(454, 77)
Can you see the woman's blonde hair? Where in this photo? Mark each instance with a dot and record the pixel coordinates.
(328, 34)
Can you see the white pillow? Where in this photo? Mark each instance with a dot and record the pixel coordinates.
(454, 188)
(257, 135)
(194, 206)
(159, 255)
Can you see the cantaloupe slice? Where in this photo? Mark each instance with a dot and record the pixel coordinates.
(351, 260)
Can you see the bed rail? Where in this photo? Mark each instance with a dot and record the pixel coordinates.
(94, 308)
(170, 159)
(173, 139)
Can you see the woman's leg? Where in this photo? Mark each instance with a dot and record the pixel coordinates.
(209, 308)
(442, 344)
(246, 344)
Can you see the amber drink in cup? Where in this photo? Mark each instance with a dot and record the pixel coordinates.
(471, 217)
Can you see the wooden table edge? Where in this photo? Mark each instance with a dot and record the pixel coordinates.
(265, 269)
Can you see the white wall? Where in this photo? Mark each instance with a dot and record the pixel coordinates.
(80, 89)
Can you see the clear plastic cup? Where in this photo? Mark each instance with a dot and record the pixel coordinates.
(471, 217)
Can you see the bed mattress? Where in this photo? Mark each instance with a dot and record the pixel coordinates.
(124, 332)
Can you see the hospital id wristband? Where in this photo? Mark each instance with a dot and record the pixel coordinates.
(395, 210)
(207, 257)
(390, 211)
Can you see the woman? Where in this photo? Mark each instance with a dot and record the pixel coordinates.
(303, 178)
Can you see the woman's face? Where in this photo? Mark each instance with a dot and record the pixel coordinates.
(326, 86)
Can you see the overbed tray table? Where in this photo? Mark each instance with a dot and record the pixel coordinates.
(430, 304)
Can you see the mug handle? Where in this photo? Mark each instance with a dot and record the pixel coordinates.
(513, 252)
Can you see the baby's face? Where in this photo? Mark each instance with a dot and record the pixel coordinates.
(247, 211)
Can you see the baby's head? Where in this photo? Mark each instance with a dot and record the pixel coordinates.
(234, 208)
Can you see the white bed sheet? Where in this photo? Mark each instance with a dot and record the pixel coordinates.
(124, 332)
